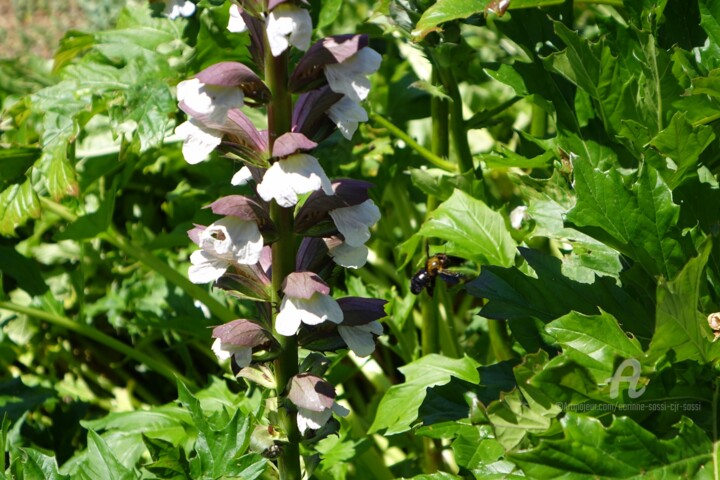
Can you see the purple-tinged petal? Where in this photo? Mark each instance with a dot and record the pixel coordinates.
(242, 207)
(290, 143)
(360, 311)
(194, 233)
(243, 333)
(304, 285)
(311, 392)
(235, 74)
(310, 114)
(309, 72)
(314, 219)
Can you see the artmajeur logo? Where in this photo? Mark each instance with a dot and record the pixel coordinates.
(619, 376)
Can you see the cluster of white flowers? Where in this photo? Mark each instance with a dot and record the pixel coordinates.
(212, 100)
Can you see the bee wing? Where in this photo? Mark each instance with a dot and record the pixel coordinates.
(451, 278)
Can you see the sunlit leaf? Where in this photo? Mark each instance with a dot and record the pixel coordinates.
(471, 229)
(398, 409)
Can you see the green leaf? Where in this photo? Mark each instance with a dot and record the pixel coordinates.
(101, 462)
(593, 342)
(60, 178)
(506, 158)
(38, 465)
(683, 143)
(447, 10)
(399, 406)
(679, 325)
(14, 162)
(471, 229)
(513, 419)
(641, 221)
(18, 204)
(594, 69)
(623, 450)
(220, 441)
(514, 295)
(168, 460)
(329, 13)
(477, 447)
(92, 224)
(24, 270)
(710, 22)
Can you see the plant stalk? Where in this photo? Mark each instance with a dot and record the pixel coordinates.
(424, 152)
(283, 262)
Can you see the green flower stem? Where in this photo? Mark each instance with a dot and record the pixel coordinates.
(458, 132)
(538, 124)
(429, 306)
(499, 340)
(424, 152)
(106, 340)
(112, 236)
(283, 262)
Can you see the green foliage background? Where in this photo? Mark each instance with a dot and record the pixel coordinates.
(600, 118)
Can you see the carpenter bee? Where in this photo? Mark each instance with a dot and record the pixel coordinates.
(435, 266)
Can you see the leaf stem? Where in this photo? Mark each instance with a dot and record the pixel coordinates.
(106, 340)
(424, 152)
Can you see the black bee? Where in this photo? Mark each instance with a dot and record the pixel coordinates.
(434, 267)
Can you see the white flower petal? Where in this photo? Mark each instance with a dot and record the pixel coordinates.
(236, 24)
(211, 101)
(241, 177)
(198, 141)
(288, 25)
(347, 114)
(179, 8)
(206, 268)
(355, 222)
(313, 311)
(233, 239)
(323, 307)
(359, 338)
(220, 353)
(243, 357)
(308, 419)
(350, 76)
(348, 256)
(287, 321)
(291, 176)
(517, 216)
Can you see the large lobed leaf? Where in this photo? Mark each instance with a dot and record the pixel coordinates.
(399, 406)
(471, 229)
(622, 450)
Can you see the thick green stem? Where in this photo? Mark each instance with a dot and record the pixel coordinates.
(112, 236)
(106, 340)
(538, 124)
(458, 131)
(283, 262)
